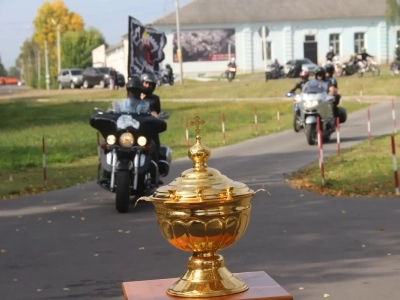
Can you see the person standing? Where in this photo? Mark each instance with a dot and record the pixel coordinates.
(112, 78)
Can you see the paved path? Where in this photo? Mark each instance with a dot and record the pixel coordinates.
(71, 244)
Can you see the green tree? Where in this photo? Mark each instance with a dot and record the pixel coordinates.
(3, 71)
(50, 14)
(77, 47)
(393, 11)
(14, 72)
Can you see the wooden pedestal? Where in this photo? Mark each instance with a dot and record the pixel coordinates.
(261, 287)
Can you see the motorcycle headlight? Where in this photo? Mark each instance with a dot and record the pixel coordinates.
(311, 103)
(142, 141)
(126, 140)
(111, 139)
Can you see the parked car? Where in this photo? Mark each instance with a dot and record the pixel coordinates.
(120, 78)
(93, 76)
(71, 78)
(305, 63)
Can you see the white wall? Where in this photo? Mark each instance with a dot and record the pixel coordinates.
(99, 56)
(287, 40)
(116, 59)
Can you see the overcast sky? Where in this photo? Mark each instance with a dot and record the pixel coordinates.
(109, 16)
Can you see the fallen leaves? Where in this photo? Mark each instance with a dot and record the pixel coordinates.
(326, 295)
(3, 251)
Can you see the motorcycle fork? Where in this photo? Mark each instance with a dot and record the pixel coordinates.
(113, 167)
(136, 162)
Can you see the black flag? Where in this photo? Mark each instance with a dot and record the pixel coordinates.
(145, 48)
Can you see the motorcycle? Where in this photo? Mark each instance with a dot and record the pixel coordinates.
(274, 72)
(166, 78)
(351, 67)
(128, 158)
(372, 66)
(231, 73)
(394, 69)
(312, 106)
(337, 64)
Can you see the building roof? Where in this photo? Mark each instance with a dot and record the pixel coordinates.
(115, 46)
(252, 11)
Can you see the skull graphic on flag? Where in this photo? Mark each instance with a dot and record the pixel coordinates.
(145, 48)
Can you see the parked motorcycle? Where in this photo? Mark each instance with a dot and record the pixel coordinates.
(394, 69)
(351, 67)
(231, 73)
(274, 72)
(128, 156)
(166, 78)
(372, 67)
(337, 64)
(315, 105)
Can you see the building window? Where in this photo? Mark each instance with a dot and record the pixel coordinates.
(398, 37)
(268, 45)
(334, 42)
(310, 38)
(358, 42)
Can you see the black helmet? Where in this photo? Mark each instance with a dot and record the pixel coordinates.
(150, 78)
(330, 69)
(134, 87)
(320, 72)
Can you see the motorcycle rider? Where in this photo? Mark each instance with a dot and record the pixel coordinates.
(364, 59)
(330, 55)
(135, 103)
(304, 75)
(320, 78)
(396, 62)
(333, 88)
(170, 72)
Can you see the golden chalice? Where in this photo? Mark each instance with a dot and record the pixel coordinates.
(203, 211)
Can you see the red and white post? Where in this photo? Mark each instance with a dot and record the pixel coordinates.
(338, 135)
(320, 151)
(369, 125)
(278, 116)
(44, 161)
(223, 128)
(187, 133)
(396, 175)
(361, 92)
(394, 118)
(255, 119)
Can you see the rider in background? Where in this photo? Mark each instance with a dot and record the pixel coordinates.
(364, 58)
(330, 55)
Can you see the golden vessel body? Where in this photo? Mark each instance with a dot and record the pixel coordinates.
(203, 211)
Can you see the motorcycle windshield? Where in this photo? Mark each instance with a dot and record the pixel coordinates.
(111, 123)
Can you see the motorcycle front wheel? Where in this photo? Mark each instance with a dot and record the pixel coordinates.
(123, 191)
(311, 134)
(296, 125)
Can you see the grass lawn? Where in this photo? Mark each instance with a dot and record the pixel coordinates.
(363, 170)
(71, 144)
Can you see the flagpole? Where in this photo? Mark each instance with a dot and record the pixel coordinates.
(178, 38)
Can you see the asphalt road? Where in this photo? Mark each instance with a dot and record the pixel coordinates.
(11, 89)
(71, 244)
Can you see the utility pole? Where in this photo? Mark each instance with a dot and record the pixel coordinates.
(38, 68)
(178, 38)
(46, 59)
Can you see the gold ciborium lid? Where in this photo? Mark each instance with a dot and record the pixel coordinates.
(201, 184)
(203, 211)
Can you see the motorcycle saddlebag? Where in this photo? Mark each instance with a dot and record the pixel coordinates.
(342, 113)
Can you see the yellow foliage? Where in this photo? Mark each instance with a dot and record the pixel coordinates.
(49, 15)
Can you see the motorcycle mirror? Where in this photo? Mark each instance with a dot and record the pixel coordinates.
(98, 110)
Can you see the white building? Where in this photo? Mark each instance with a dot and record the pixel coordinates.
(214, 30)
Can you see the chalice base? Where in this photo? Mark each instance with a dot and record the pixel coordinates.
(207, 276)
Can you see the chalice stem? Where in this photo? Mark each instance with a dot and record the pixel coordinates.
(207, 276)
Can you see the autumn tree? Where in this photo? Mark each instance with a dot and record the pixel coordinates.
(49, 15)
(3, 71)
(77, 47)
